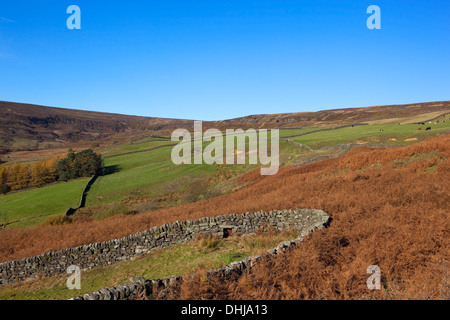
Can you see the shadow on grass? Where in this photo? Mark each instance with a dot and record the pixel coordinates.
(105, 171)
(110, 170)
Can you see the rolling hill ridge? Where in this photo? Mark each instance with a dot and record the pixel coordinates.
(33, 127)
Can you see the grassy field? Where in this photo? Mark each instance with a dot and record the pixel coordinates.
(396, 198)
(292, 132)
(40, 203)
(142, 174)
(142, 171)
(392, 134)
(210, 253)
(136, 146)
(36, 205)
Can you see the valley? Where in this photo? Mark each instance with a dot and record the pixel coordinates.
(357, 172)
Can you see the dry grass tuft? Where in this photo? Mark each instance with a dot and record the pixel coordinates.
(392, 216)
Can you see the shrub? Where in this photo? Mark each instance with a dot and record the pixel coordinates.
(57, 220)
(85, 163)
(208, 242)
(81, 219)
(4, 188)
(114, 210)
(3, 220)
(266, 239)
(199, 190)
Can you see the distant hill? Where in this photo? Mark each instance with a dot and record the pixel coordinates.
(32, 127)
(400, 113)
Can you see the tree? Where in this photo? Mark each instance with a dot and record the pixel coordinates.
(13, 176)
(82, 164)
(4, 187)
(20, 176)
(23, 176)
(3, 175)
(3, 219)
(64, 167)
(38, 174)
(87, 163)
(51, 171)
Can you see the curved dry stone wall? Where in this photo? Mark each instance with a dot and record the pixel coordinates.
(170, 287)
(113, 251)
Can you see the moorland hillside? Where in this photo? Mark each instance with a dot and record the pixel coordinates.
(389, 206)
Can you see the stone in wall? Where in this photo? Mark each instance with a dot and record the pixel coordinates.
(113, 251)
(168, 287)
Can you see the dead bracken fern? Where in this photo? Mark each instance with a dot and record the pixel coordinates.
(382, 214)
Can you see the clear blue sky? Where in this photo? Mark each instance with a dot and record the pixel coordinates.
(212, 60)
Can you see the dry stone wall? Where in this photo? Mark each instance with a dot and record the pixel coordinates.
(170, 287)
(86, 189)
(113, 251)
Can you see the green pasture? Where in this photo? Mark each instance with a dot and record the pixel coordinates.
(392, 134)
(39, 203)
(142, 145)
(144, 169)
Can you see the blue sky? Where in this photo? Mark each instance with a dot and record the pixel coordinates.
(212, 60)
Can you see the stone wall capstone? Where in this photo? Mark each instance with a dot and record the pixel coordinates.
(113, 251)
(170, 287)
